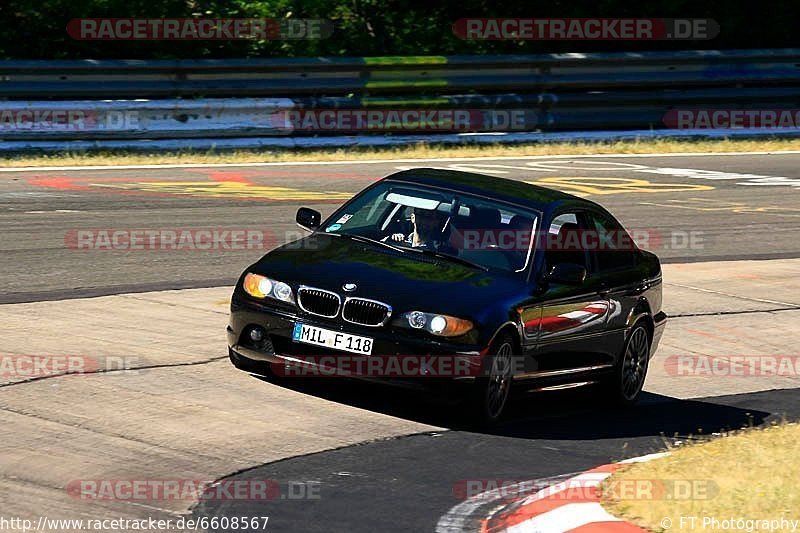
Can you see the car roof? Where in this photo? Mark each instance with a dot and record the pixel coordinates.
(507, 190)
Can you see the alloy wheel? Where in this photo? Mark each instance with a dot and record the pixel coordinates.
(634, 364)
(499, 384)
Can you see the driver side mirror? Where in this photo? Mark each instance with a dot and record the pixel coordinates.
(308, 218)
(567, 273)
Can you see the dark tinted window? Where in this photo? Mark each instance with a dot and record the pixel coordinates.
(614, 249)
(563, 242)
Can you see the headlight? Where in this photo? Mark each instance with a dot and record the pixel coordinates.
(263, 287)
(443, 325)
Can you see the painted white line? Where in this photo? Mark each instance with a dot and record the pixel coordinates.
(564, 518)
(461, 517)
(382, 161)
(465, 515)
(737, 296)
(52, 211)
(579, 482)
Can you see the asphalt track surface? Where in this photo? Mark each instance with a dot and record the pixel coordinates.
(737, 207)
(695, 208)
(409, 483)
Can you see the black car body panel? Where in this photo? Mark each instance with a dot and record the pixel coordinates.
(564, 332)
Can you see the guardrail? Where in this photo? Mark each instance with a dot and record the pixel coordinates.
(250, 98)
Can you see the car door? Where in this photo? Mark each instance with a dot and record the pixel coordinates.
(568, 320)
(613, 270)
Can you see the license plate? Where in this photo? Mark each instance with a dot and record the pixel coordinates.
(331, 339)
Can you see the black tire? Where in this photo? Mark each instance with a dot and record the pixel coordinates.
(490, 394)
(625, 386)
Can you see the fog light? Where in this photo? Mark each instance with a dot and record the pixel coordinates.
(256, 334)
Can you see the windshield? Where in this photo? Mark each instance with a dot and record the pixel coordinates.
(490, 234)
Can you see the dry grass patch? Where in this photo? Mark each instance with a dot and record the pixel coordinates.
(421, 151)
(753, 475)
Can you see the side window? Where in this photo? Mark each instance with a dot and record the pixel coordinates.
(614, 250)
(563, 241)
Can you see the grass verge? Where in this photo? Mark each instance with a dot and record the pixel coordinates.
(421, 151)
(748, 475)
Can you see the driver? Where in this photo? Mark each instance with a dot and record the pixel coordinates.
(428, 225)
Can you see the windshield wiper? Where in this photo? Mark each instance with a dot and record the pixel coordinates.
(361, 238)
(405, 249)
(454, 258)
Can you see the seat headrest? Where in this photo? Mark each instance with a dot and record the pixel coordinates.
(568, 227)
(520, 222)
(486, 217)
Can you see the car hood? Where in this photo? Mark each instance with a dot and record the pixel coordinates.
(403, 280)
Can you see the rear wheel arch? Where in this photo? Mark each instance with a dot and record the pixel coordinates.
(642, 313)
(650, 326)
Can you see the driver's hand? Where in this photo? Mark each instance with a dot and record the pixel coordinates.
(398, 237)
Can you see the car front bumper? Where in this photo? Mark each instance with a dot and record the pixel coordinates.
(450, 360)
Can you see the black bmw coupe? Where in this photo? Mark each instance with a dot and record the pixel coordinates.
(452, 278)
